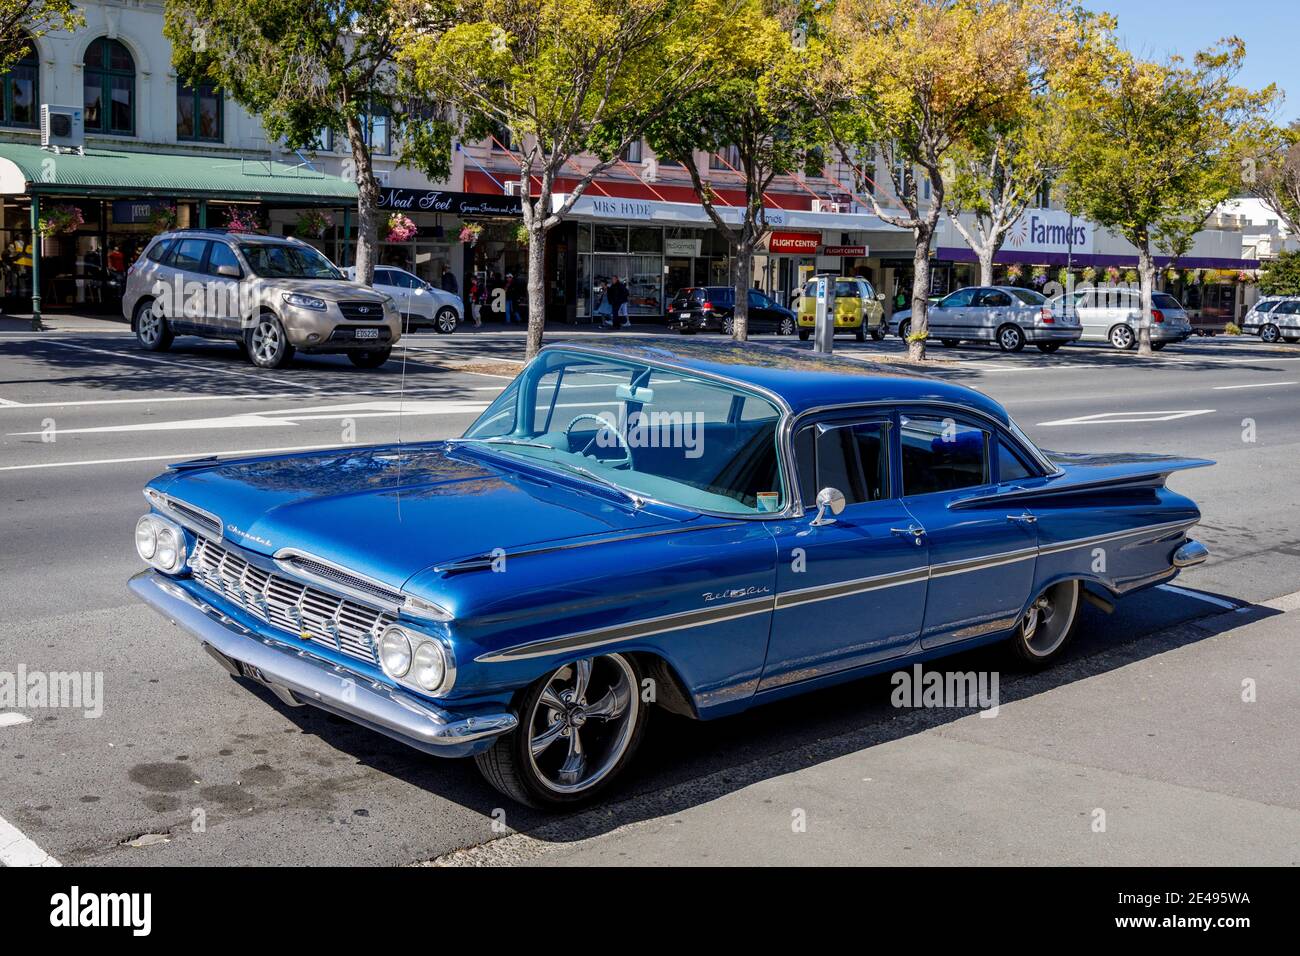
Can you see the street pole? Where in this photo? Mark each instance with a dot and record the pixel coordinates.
(36, 262)
(824, 316)
(1069, 266)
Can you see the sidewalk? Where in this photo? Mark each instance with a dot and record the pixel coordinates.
(64, 322)
(1157, 737)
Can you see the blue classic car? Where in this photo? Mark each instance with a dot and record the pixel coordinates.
(699, 527)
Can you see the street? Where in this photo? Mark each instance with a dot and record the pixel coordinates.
(187, 766)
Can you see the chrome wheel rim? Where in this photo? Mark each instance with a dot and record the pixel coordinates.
(1122, 337)
(446, 320)
(582, 723)
(1269, 334)
(149, 326)
(1047, 620)
(1010, 339)
(787, 327)
(266, 341)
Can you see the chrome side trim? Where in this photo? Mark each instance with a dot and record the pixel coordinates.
(315, 680)
(584, 640)
(196, 519)
(979, 564)
(1156, 529)
(825, 592)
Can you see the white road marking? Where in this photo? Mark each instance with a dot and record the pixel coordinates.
(1200, 596)
(11, 718)
(179, 456)
(17, 850)
(284, 417)
(307, 391)
(1122, 418)
(1228, 388)
(5, 403)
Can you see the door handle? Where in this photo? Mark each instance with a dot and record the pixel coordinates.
(915, 530)
(1025, 518)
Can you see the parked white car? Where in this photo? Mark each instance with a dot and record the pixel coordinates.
(418, 302)
(1274, 319)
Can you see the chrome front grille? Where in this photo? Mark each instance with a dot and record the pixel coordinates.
(302, 610)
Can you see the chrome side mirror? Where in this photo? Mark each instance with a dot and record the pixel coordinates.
(828, 499)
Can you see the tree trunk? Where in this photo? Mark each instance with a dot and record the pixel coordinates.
(920, 321)
(986, 264)
(367, 204)
(1146, 283)
(744, 266)
(536, 284)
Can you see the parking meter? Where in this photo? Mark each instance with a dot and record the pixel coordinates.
(824, 316)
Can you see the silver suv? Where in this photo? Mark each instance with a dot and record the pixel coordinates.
(270, 294)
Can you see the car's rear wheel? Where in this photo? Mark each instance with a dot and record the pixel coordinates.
(444, 321)
(787, 326)
(1047, 625)
(1048, 347)
(951, 343)
(904, 330)
(1122, 338)
(370, 358)
(1157, 346)
(860, 333)
(579, 727)
(268, 345)
(804, 334)
(1270, 333)
(151, 328)
(728, 326)
(1011, 338)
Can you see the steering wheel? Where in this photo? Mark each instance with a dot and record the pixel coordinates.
(623, 462)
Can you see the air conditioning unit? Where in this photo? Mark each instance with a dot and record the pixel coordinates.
(514, 187)
(63, 127)
(831, 205)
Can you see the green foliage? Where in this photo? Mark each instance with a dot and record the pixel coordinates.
(22, 20)
(1281, 276)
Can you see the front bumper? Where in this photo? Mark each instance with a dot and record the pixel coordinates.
(311, 331)
(308, 679)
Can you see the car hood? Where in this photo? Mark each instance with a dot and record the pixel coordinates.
(390, 512)
(334, 290)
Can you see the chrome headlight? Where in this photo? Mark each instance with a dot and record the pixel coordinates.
(429, 666)
(160, 543)
(301, 301)
(395, 652)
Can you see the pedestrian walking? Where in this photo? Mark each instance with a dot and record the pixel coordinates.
(449, 281)
(476, 302)
(510, 298)
(618, 297)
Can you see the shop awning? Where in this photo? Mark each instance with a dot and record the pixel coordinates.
(28, 169)
(650, 211)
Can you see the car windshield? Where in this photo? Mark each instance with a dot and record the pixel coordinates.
(1028, 296)
(654, 433)
(276, 260)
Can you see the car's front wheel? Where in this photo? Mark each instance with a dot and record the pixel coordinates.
(579, 727)
(728, 326)
(444, 321)
(1122, 338)
(1047, 625)
(904, 330)
(804, 334)
(1270, 333)
(370, 358)
(151, 329)
(877, 333)
(268, 345)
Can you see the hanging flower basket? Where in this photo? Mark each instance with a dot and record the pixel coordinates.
(240, 219)
(1171, 275)
(1063, 277)
(163, 219)
(1039, 276)
(1192, 276)
(60, 220)
(521, 234)
(1089, 274)
(314, 223)
(1014, 272)
(1112, 274)
(470, 233)
(400, 228)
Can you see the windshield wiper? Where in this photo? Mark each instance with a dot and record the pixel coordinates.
(632, 496)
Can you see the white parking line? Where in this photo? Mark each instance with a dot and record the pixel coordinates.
(1128, 418)
(1198, 595)
(5, 403)
(11, 718)
(1228, 388)
(17, 850)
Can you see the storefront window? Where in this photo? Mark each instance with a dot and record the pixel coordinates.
(646, 240)
(610, 238)
(109, 84)
(21, 91)
(198, 113)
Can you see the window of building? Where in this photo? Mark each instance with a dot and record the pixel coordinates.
(631, 152)
(21, 94)
(378, 131)
(501, 138)
(199, 113)
(726, 158)
(109, 83)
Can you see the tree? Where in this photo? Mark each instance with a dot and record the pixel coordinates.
(1281, 275)
(758, 105)
(1152, 148)
(563, 78)
(917, 79)
(1273, 174)
(307, 66)
(24, 20)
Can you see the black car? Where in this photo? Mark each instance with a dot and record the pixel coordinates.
(710, 309)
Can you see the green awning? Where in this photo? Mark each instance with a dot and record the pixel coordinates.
(27, 169)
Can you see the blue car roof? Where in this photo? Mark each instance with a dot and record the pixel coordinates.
(803, 379)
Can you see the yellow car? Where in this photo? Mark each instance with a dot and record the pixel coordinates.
(857, 309)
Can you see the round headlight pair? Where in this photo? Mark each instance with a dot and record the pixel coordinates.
(160, 543)
(422, 662)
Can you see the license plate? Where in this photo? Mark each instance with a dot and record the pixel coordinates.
(367, 334)
(683, 315)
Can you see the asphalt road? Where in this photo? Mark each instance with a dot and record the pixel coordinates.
(86, 419)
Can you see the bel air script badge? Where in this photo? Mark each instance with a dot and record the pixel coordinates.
(731, 593)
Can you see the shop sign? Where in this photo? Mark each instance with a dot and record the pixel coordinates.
(794, 243)
(1049, 230)
(614, 207)
(137, 210)
(458, 204)
(682, 247)
(856, 252)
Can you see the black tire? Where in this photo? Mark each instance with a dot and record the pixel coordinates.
(951, 343)
(685, 331)
(878, 333)
(1121, 334)
(904, 329)
(1011, 338)
(1046, 642)
(152, 330)
(804, 334)
(1157, 346)
(1048, 347)
(860, 333)
(787, 326)
(511, 767)
(370, 358)
(444, 320)
(1270, 333)
(267, 345)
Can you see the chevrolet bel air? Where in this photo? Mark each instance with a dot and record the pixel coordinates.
(697, 527)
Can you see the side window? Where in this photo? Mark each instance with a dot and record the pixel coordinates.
(851, 457)
(188, 254)
(401, 279)
(158, 251)
(383, 277)
(222, 255)
(959, 299)
(1011, 464)
(941, 454)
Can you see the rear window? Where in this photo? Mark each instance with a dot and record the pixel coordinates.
(847, 290)
(1163, 300)
(1268, 306)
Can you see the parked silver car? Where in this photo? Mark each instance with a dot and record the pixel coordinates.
(1114, 315)
(1274, 319)
(418, 302)
(270, 294)
(1007, 315)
